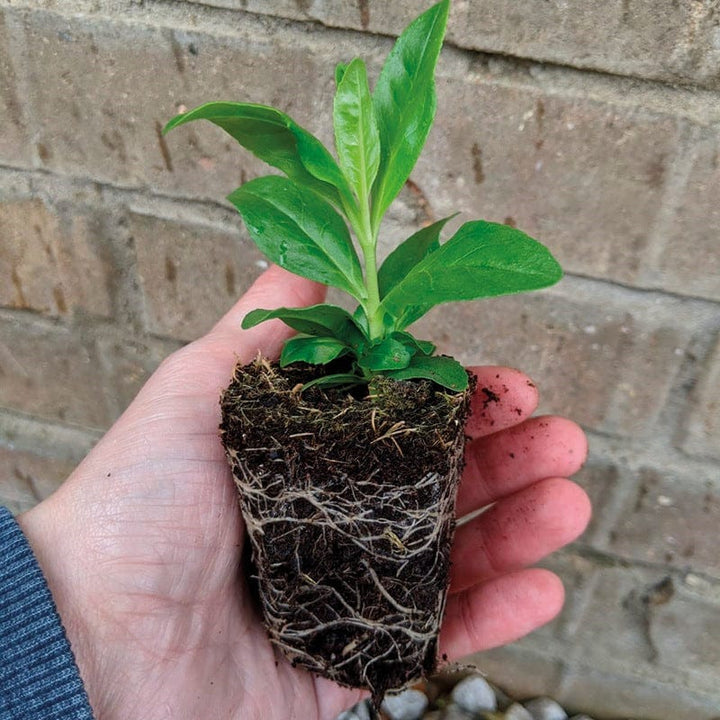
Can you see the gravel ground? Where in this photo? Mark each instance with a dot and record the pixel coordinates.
(461, 695)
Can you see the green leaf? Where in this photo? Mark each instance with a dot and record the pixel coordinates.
(442, 370)
(422, 346)
(482, 259)
(313, 350)
(388, 354)
(404, 100)
(356, 132)
(277, 139)
(361, 320)
(338, 380)
(319, 320)
(408, 254)
(340, 69)
(300, 232)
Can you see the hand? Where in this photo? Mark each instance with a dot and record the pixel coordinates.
(142, 545)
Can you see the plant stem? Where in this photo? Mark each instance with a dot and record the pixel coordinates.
(368, 243)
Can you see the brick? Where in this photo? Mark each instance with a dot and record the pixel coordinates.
(698, 642)
(645, 38)
(128, 80)
(702, 426)
(630, 620)
(28, 478)
(190, 275)
(49, 371)
(55, 265)
(604, 365)
(672, 521)
(663, 40)
(560, 168)
(14, 136)
(696, 225)
(587, 689)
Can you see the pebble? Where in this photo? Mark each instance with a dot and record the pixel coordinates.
(407, 705)
(517, 712)
(474, 694)
(471, 698)
(544, 708)
(361, 711)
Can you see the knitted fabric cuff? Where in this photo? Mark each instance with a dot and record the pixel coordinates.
(39, 679)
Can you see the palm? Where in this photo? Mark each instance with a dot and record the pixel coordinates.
(159, 543)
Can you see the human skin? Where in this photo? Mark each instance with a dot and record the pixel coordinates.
(141, 546)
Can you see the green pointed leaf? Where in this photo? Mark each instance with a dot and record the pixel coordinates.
(340, 69)
(319, 320)
(277, 139)
(337, 380)
(442, 370)
(300, 232)
(408, 254)
(482, 259)
(361, 320)
(404, 100)
(422, 346)
(313, 350)
(356, 132)
(388, 354)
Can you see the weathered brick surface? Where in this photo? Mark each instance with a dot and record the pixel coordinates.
(14, 135)
(494, 153)
(561, 169)
(54, 264)
(614, 695)
(48, 371)
(637, 623)
(644, 608)
(127, 81)
(27, 478)
(702, 431)
(672, 521)
(690, 262)
(603, 365)
(190, 275)
(665, 40)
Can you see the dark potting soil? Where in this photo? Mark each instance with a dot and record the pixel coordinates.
(348, 499)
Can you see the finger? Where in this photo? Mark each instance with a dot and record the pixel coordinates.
(503, 463)
(504, 397)
(275, 288)
(518, 531)
(499, 611)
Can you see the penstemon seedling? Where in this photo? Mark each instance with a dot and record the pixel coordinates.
(305, 222)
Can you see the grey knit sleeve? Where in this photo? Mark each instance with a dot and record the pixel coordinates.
(39, 679)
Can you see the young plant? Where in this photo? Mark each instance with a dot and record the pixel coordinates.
(305, 222)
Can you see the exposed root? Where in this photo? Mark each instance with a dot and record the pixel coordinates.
(349, 506)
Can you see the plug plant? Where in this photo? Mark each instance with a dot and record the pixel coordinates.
(313, 220)
(348, 498)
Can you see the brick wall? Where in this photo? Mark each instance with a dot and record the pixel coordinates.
(593, 126)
